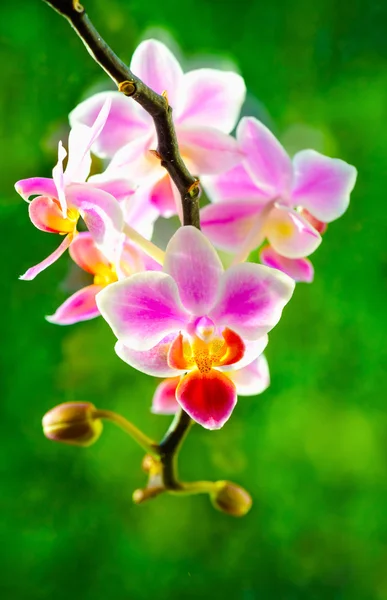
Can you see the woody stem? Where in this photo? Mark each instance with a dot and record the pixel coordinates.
(156, 105)
(169, 448)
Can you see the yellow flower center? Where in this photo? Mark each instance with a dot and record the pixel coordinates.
(206, 355)
(104, 274)
(72, 214)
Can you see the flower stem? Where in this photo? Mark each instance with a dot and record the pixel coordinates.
(148, 247)
(195, 487)
(169, 448)
(143, 440)
(156, 105)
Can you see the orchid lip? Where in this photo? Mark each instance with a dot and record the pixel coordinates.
(193, 352)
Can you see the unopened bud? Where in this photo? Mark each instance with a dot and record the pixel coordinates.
(72, 423)
(232, 499)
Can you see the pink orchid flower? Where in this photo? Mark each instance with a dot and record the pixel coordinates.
(249, 381)
(82, 306)
(206, 105)
(62, 200)
(196, 320)
(299, 269)
(273, 197)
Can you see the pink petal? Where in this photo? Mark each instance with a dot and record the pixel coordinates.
(46, 215)
(151, 362)
(36, 186)
(228, 224)
(213, 98)
(234, 185)
(134, 201)
(121, 189)
(100, 211)
(195, 267)
(290, 234)
(251, 299)
(79, 161)
(34, 271)
(81, 306)
(58, 177)
(134, 160)
(140, 213)
(85, 253)
(150, 264)
(164, 399)
(155, 64)
(143, 309)
(126, 122)
(208, 150)
(134, 260)
(252, 379)
(299, 269)
(208, 398)
(265, 159)
(322, 185)
(81, 139)
(162, 198)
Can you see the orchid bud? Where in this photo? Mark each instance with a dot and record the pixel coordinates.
(230, 498)
(72, 423)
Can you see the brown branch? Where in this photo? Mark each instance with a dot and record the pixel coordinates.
(156, 105)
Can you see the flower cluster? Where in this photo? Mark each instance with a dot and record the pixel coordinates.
(180, 314)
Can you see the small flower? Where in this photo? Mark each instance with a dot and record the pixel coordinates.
(196, 320)
(72, 423)
(206, 105)
(251, 380)
(272, 197)
(82, 306)
(62, 200)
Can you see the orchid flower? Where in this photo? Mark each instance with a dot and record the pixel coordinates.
(273, 197)
(197, 321)
(251, 380)
(206, 105)
(82, 306)
(62, 200)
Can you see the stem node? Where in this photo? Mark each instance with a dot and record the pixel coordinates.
(128, 88)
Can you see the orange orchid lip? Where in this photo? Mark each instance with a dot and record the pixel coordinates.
(46, 215)
(204, 355)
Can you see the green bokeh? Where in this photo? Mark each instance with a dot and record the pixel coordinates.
(313, 449)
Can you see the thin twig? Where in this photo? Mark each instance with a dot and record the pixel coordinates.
(143, 440)
(156, 105)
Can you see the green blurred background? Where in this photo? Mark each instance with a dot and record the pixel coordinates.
(312, 450)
